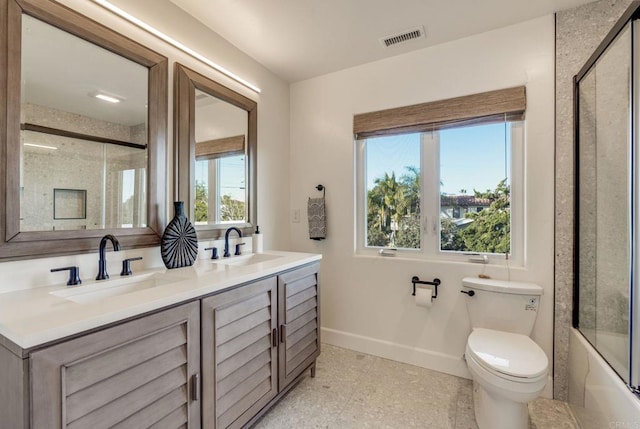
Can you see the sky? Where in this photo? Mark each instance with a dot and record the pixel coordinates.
(471, 157)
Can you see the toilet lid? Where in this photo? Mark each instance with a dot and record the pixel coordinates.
(507, 353)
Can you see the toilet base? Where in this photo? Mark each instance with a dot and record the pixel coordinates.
(498, 413)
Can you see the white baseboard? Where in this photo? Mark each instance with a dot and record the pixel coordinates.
(436, 361)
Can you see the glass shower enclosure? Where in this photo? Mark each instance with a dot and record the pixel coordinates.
(607, 267)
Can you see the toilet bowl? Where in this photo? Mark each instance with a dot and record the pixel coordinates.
(508, 368)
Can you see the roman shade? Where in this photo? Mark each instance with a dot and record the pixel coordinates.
(220, 148)
(493, 106)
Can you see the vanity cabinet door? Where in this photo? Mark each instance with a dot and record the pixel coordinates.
(239, 349)
(299, 317)
(142, 373)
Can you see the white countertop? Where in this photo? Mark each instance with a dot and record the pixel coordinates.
(40, 315)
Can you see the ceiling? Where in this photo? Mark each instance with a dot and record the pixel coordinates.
(300, 39)
(64, 72)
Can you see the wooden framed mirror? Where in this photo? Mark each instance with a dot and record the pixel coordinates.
(85, 110)
(216, 145)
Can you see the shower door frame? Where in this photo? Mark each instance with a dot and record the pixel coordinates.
(632, 17)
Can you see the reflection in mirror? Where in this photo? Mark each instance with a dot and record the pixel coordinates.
(83, 143)
(216, 142)
(220, 171)
(83, 127)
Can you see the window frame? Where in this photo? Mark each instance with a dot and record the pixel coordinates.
(430, 213)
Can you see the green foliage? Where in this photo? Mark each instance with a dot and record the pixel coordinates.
(408, 236)
(393, 217)
(490, 230)
(393, 211)
(231, 209)
(450, 238)
(202, 203)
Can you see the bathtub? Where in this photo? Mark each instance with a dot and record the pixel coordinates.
(598, 397)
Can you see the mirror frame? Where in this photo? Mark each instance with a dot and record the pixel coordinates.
(24, 245)
(186, 82)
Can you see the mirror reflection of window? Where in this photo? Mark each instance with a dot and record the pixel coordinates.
(84, 124)
(130, 207)
(220, 167)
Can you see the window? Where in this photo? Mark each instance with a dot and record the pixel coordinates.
(447, 191)
(220, 190)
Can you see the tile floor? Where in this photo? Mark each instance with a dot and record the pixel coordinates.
(354, 390)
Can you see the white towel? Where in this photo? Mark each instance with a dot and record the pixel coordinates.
(317, 218)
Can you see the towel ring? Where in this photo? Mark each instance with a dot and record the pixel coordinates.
(322, 188)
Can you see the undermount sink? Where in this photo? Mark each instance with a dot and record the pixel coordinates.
(119, 286)
(250, 259)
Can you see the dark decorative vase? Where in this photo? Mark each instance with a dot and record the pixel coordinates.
(179, 247)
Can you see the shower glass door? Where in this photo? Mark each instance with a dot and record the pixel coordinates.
(604, 202)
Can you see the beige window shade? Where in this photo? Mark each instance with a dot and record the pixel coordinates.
(493, 106)
(220, 148)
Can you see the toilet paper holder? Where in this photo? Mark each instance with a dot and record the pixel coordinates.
(416, 280)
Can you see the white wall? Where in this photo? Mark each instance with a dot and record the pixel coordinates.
(273, 130)
(367, 303)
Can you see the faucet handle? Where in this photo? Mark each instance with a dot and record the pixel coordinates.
(126, 265)
(238, 253)
(214, 252)
(74, 275)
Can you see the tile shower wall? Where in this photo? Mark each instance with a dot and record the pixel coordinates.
(98, 167)
(578, 32)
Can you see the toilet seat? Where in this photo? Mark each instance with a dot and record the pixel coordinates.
(510, 356)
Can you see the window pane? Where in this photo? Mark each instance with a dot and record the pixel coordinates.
(232, 189)
(475, 188)
(220, 190)
(393, 191)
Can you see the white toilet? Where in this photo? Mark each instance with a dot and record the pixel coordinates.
(508, 368)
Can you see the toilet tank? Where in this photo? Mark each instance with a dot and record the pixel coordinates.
(501, 304)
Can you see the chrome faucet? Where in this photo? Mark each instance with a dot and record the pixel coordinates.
(102, 262)
(226, 241)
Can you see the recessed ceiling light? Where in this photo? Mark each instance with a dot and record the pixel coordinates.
(41, 146)
(107, 98)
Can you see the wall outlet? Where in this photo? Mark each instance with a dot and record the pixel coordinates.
(295, 215)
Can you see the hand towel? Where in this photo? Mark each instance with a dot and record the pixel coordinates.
(317, 218)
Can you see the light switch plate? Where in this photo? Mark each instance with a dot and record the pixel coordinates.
(295, 215)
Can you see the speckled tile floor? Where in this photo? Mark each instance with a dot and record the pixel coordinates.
(353, 390)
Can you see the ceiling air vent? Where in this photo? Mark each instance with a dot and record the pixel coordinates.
(405, 36)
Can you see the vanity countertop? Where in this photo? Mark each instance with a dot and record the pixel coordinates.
(36, 316)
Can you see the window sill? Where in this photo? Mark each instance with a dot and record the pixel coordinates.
(440, 258)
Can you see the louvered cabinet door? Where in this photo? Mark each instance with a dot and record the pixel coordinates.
(299, 317)
(140, 374)
(239, 354)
